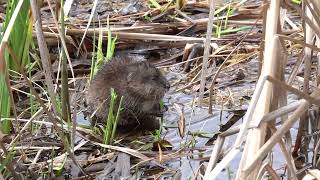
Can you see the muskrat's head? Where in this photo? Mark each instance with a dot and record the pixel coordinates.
(146, 81)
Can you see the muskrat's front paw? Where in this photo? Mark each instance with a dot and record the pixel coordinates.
(150, 123)
(165, 108)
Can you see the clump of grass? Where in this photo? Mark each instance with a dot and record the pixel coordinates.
(19, 41)
(101, 58)
(112, 119)
(21, 34)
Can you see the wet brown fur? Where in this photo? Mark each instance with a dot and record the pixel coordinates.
(141, 85)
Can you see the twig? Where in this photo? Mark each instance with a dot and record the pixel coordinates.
(44, 53)
(206, 51)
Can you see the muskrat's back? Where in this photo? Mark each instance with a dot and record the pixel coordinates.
(141, 85)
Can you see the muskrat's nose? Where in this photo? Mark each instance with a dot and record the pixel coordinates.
(167, 85)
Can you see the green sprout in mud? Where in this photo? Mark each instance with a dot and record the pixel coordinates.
(222, 25)
(157, 135)
(193, 142)
(161, 119)
(296, 1)
(112, 119)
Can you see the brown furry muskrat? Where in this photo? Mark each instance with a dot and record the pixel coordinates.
(141, 85)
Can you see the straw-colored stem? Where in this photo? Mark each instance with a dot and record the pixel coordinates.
(206, 51)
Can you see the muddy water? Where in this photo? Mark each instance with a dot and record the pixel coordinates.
(198, 120)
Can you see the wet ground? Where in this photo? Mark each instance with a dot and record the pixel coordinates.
(188, 127)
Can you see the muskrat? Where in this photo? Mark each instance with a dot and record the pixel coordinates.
(140, 83)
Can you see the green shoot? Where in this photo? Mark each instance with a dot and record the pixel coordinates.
(232, 30)
(112, 120)
(100, 56)
(296, 1)
(5, 104)
(161, 120)
(229, 13)
(218, 29)
(157, 135)
(111, 43)
(116, 119)
(154, 3)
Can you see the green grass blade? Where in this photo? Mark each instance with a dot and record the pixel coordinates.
(5, 125)
(111, 43)
(116, 120)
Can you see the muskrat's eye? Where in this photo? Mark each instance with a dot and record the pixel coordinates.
(153, 78)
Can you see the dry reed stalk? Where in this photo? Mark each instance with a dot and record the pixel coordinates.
(290, 162)
(271, 115)
(282, 95)
(44, 53)
(206, 51)
(309, 36)
(25, 126)
(156, 37)
(314, 48)
(264, 22)
(215, 153)
(304, 95)
(268, 117)
(265, 149)
(256, 137)
(52, 35)
(63, 42)
(242, 132)
(303, 124)
(279, 112)
(272, 172)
